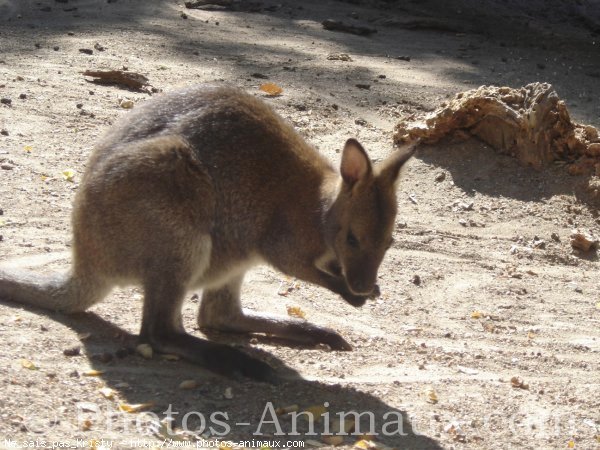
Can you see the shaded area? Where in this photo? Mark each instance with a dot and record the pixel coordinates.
(138, 381)
(476, 167)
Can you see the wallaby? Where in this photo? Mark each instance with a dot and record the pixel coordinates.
(193, 188)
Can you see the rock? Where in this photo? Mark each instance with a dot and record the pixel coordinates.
(416, 280)
(361, 122)
(87, 51)
(126, 104)
(7, 166)
(4, 132)
(228, 394)
(99, 47)
(363, 86)
(145, 350)
(440, 176)
(583, 241)
(6, 101)
(531, 123)
(22, 96)
(79, 105)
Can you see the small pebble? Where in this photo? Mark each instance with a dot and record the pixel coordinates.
(22, 96)
(6, 101)
(73, 351)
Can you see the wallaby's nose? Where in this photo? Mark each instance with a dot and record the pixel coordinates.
(361, 286)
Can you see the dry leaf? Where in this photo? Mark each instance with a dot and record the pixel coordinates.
(127, 79)
(135, 407)
(68, 175)
(28, 148)
(188, 384)
(145, 350)
(86, 425)
(107, 392)
(295, 311)
(271, 89)
(530, 335)
(28, 364)
(571, 444)
(366, 442)
(333, 440)
(476, 315)
(363, 444)
(93, 373)
(431, 396)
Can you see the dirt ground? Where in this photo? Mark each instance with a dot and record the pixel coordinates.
(470, 297)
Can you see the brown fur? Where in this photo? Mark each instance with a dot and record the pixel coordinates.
(192, 189)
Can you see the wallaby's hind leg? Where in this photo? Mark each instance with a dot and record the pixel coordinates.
(221, 310)
(162, 328)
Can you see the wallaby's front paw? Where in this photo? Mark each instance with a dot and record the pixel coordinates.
(376, 292)
(359, 300)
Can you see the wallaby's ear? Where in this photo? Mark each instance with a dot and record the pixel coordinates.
(390, 168)
(355, 164)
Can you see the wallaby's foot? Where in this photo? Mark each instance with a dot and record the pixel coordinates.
(221, 310)
(295, 330)
(219, 358)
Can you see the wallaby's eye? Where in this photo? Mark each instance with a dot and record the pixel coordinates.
(351, 240)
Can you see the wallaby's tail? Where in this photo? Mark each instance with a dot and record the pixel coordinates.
(58, 291)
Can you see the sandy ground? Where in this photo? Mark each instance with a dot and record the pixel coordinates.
(470, 299)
